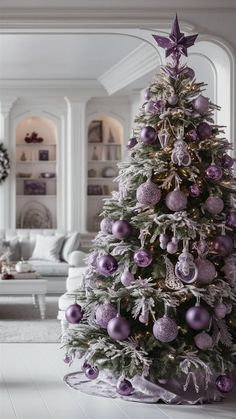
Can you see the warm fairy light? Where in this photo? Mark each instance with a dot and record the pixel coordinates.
(170, 356)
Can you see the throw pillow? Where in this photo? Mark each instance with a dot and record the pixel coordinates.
(71, 243)
(13, 246)
(47, 248)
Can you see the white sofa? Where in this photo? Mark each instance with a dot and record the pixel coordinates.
(23, 242)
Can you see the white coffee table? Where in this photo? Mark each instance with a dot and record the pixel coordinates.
(35, 287)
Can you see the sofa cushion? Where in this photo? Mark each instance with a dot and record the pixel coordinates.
(13, 245)
(46, 268)
(71, 243)
(48, 248)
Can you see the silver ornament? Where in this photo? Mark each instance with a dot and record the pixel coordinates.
(163, 137)
(180, 154)
(185, 268)
(170, 280)
(172, 248)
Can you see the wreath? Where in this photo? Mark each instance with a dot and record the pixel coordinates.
(4, 163)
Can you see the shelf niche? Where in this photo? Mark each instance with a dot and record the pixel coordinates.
(36, 197)
(105, 140)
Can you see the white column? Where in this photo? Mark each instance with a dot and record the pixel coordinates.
(76, 164)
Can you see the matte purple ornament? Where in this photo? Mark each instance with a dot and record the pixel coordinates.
(165, 329)
(104, 313)
(148, 135)
(143, 258)
(78, 355)
(107, 265)
(197, 318)
(172, 248)
(195, 191)
(132, 143)
(203, 341)
(231, 219)
(67, 359)
(224, 383)
(206, 271)
(201, 104)
(204, 130)
(121, 229)
(106, 225)
(118, 328)
(85, 366)
(74, 314)
(227, 162)
(148, 193)
(176, 200)
(127, 278)
(147, 94)
(214, 205)
(92, 373)
(191, 135)
(149, 107)
(124, 387)
(223, 245)
(213, 172)
(220, 310)
(173, 100)
(163, 239)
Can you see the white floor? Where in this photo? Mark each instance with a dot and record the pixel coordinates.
(31, 387)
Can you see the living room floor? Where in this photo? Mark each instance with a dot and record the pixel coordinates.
(31, 386)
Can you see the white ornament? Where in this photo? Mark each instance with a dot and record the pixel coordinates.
(171, 281)
(180, 154)
(185, 269)
(163, 137)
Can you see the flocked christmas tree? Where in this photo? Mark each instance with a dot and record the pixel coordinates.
(159, 294)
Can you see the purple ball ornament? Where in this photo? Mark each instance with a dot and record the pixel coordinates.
(85, 366)
(106, 225)
(195, 191)
(206, 271)
(74, 314)
(121, 229)
(197, 318)
(173, 100)
(203, 341)
(148, 135)
(104, 313)
(224, 383)
(223, 245)
(213, 172)
(149, 107)
(147, 94)
(191, 135)
(220, 310)
(67, 359)
(165, 329)
(132, 143)
(124, 387)
(127, 278)
(176, 200)
(201, 104)
(142, 258)
(231, 219)
(214, 205)
(148, 193)
(106, 265)
(188, 73)
(204, 131)
(172, 248)
(227, 162)
(92, 373)
(118, 328)
(163, 239)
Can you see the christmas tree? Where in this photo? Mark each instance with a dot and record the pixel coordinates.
(159, 293)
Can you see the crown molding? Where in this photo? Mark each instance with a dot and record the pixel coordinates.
(49, 84)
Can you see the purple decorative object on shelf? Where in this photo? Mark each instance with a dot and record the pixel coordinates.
(34, 187)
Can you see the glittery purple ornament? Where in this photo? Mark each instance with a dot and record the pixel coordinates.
(74, 314)
(191, 135)
(165, 329)
(92, 373)
(127, 278)
(176, 200)
(124, 387)
(203, 341)
(143, 258)
(214, 205)
(147, 94)
(195, 191)
(220, 310)
(223, 245)
(67, 359)
(148, 135)
(227, 162)
(132, 143)
(202, 247)
(231, 219)
(106, 265)
(148, 193)
(201, 104)
(224, 383)
(197, 318)
(149, 107)
(118, 328)
(106, 225)
(206, 271)
(85, 366)
(213, 172)
(104, 313)
(172, 248)
(121, 229)
(173, 100)
(204, 130)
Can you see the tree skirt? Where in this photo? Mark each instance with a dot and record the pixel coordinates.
(171, 392)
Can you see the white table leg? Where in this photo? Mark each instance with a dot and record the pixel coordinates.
(34, 298)
(42, 305)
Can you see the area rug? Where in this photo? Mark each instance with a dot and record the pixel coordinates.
(20, 321)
